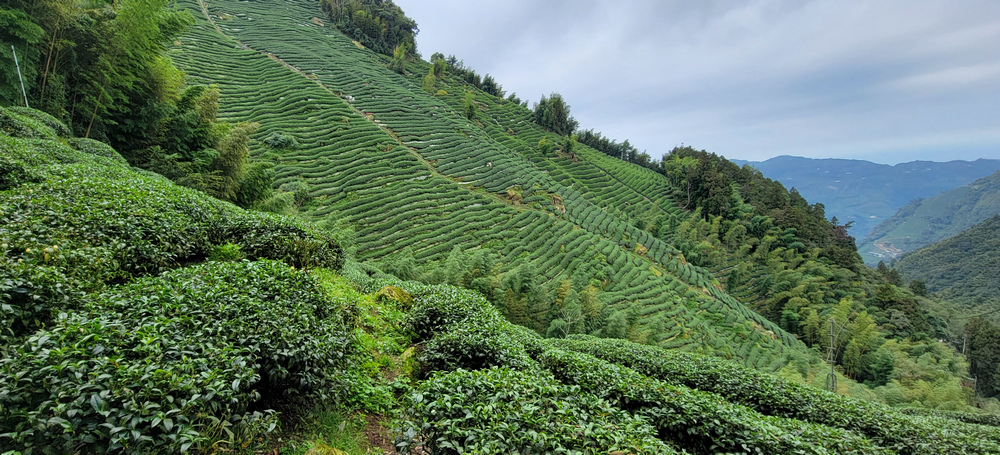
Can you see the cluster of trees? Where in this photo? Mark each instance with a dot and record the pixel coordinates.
(101, 68)
(485, 83)
(621, 150)
(379, 25)
(720, 188)
(552, 113)
(982, 340)
(98, 66)
(571, 305)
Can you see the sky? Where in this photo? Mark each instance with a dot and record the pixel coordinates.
(887, 81)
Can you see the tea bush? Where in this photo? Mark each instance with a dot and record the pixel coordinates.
(771, 395)
(175, 362)
(98, 148)
(698, 421)
(499, 410)
(78, 221)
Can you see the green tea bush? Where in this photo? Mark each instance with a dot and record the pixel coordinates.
(76, 222)
(437, 308)
(772, 395)
(698, 421)
(266, 235)
(58, 127)
(13, 174)
(474, 347)
(279, 140)
(14, 122)
(992, 420)
(98, 148)
(500, 410)
(175, 362)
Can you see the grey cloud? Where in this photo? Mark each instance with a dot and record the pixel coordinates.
(887, 80)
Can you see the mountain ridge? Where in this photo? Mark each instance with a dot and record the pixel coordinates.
(868, 193)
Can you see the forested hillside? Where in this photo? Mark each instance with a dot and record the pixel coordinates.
(963, 268)
(142, 317)
(867, 193)
(926, 221)
(438, 252)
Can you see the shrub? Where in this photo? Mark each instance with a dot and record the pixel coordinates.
(58, 127)
(228, 252)
(279, 140)
(77, 221)
(96, 148)
(14, 122)
(174, 362)
(13, 174)
(772, 395)
(499, 410)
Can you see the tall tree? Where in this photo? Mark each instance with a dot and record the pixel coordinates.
(553, 113)
(19, 53)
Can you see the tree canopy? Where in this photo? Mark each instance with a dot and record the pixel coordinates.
(379, 25)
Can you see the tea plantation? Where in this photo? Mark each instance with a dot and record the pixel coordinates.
(142, 317)
(412, 174)
(425, 235)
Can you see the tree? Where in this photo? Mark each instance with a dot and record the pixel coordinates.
(553, 113)
(491, 86)
(983, 352)
(469, 106)
(428, 81)
(617, 325)
(400, 55)
(18, 30)
(379, 25)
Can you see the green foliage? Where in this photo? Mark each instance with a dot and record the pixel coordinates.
(255, 185)
(379, 25)
(175, 363)
(79, 221)
(698, 421)
(227, 252)
(983, 341)
(469, 108)
(13, 174)
(400, 54)
(14, 123)
(281, 141)
(96, 148)
(499, 410)
(770, 395)
(552, 113)
(18, 30)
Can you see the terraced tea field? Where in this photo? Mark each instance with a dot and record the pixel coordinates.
(409, 171)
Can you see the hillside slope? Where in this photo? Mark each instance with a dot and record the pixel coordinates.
(963, 268)
(220, 345)
(417, 178)
(869, 193)
(933, 219)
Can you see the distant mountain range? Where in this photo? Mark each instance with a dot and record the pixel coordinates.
(926, 221)
(869, 193)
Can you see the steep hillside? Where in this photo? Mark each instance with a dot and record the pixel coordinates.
(143, 317)
(869, 193)
(963, 268)
(421, 182)
(926, 221)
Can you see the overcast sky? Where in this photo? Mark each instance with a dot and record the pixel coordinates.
(882, 80)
